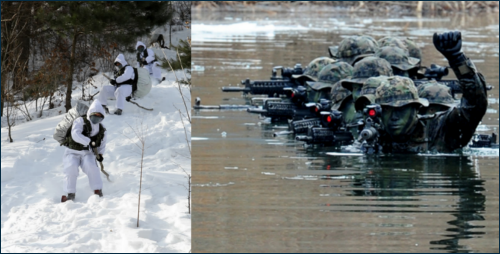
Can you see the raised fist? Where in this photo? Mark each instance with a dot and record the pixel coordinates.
(449, 44)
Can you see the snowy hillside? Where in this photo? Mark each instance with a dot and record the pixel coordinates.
(34, 220)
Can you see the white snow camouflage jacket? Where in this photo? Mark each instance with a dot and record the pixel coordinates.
(76, 131)
(129, 70)
(151, 53)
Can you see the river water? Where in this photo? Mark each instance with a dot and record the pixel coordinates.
(253, 192)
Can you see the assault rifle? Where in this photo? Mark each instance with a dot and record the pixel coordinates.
(274, 86)
(335, 133)
(295, 109)
(197, 105)
(436, 72)
(369, 135)
(301, 126)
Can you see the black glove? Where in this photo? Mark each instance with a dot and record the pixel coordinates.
(449, 44)
(145, 62)
(99, 158)
(113, 82)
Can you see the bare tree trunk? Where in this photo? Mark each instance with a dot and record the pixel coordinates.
(69, 78)
(419, 6)
(4, 80)
(24, 41)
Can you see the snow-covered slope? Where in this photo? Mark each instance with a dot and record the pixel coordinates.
(34, 220)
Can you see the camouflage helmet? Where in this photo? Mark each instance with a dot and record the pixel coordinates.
(398, 92)
(338, 95)
(367, 95)
(397, 57)
(436, 93)
(367, 37)
(368, 67)
(392, 41)
(314, 67)
(334, 72)
(354, 48)
(328, 76)
(413, 50)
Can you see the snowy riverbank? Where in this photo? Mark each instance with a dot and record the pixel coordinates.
(34, 220)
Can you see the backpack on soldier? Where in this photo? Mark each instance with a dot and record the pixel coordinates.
(79, 110)
(141, 85)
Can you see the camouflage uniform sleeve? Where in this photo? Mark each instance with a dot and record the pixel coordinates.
(455, 128)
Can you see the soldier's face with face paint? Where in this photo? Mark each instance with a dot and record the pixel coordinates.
(398, 121)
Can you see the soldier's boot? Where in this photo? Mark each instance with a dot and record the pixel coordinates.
(98, 192)
(118, 112)
(71, 196)
(106, 109)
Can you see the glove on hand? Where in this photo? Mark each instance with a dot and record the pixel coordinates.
(99, 158)
(449, 44)
(145, 62)
(113, 82)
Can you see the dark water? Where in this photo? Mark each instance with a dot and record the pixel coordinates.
(256, 193)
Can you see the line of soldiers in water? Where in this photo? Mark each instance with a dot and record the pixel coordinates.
(362, 71)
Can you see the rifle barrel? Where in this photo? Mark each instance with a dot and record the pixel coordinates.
(236, 89)
(257, 110)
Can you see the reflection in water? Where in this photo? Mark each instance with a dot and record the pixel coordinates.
(404, 190)
(254, 192)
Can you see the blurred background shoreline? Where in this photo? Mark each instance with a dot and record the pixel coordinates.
(389, 7)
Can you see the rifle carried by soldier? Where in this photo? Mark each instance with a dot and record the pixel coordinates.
(335, 132)
(272, 87)
(372, 128)
(436, 72)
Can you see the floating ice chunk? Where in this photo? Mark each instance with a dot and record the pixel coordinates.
(198, 68)
(224, 134)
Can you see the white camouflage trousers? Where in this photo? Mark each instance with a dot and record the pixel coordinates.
(72, 160)
(154, 70)
(119, 93)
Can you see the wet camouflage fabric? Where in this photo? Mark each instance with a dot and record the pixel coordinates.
(334, 72)
(338, 94)
(367, 95)
(368, 67)
(452, 129)
(314, 67)
(367, 37)
(397, 92)
(402, 43)
(355, 47)
(436, 93)
(413, 49)
(328, 76)
(392, 41)
(397, 57)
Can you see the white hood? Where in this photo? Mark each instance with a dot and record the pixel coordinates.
(96, 106)
(139, 43)
(121, 59)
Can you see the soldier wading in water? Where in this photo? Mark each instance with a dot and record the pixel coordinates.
(447, 130)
